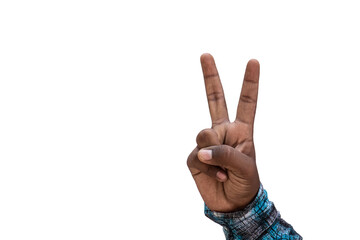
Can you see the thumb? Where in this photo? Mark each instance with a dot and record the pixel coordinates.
(226, 157)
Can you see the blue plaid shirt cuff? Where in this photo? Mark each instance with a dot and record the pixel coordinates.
(258, 220)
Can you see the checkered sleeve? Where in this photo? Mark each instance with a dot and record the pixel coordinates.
(258, 220)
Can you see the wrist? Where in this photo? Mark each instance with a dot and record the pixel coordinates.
(252, 220)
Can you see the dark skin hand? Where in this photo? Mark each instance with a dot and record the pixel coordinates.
(223, 162)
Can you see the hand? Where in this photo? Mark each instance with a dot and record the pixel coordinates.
(223, 163)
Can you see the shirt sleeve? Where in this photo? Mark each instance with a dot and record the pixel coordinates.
(258, 220)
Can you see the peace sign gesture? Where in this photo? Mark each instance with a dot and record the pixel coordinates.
(223, 163)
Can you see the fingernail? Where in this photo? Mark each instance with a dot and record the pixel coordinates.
(204, 154)
(222, 176)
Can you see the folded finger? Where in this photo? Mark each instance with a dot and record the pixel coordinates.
(197, 167)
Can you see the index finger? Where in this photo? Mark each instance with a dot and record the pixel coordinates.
(214, 90)
(249, 92)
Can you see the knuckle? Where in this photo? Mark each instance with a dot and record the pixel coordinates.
(203, 136)
(191, 158)
(189, 161)
(207, 137)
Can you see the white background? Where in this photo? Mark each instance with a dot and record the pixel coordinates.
(101, 101)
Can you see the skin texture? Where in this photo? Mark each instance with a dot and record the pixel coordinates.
(223, 162)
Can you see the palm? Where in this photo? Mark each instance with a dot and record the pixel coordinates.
(241, 186)
(234, 193)
(238, 135)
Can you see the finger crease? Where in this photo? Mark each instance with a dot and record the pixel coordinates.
(211, 76)
(215, 96)
(247, 99)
